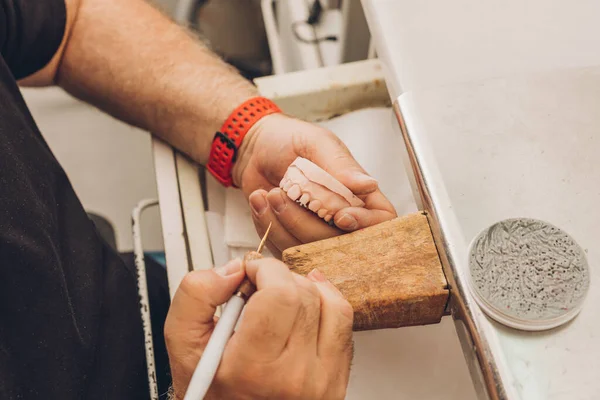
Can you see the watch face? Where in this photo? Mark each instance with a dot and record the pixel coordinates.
(528, 274)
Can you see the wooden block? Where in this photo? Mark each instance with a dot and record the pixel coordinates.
(390, 273)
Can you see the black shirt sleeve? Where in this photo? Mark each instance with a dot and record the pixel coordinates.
(30, 33)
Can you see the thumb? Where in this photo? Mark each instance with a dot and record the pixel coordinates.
(357, 181)
(191, 316)
(336, 159)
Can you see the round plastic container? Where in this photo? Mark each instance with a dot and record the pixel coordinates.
(528, 274)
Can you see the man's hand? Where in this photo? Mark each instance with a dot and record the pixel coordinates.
(148, 72)
(269, 148)
(294, 340)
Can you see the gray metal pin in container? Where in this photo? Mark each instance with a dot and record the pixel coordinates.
(211, 358)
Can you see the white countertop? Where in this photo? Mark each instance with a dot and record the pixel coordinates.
(542, 126)
(429, 43)
(524, 146)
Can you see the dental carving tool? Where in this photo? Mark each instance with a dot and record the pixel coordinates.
(211, 358)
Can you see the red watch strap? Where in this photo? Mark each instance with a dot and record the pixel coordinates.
(225, 145)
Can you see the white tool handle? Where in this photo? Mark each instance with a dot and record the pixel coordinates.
(211, 358)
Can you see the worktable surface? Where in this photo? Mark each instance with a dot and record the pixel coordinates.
(430, 43)
(503, 124)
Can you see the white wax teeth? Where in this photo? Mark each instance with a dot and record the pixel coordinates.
(315, 189)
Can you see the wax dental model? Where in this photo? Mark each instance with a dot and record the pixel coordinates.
(313, 188)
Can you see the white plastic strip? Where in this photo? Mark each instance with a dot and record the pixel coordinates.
(171, 215)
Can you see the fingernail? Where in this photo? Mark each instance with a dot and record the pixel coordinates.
(316, 276)
(364, 178)
(258, 203)
(277, 202)
(230, 268)
(347, 221)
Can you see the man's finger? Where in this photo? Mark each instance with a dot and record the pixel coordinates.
(302, 224)
(190, 320)
(334, 157)
(200, 292)
(353, 218)
(306, 329)
(270, 314)
(335, 330)
(359, 182)
(279, 238)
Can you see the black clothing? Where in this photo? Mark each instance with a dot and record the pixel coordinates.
(69, 321)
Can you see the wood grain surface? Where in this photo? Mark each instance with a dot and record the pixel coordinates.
(390, 273)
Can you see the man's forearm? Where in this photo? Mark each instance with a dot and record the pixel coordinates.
(128, 59)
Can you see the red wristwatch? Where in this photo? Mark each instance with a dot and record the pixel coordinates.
(227, 141)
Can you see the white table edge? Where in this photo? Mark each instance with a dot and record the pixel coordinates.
(481, 350)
